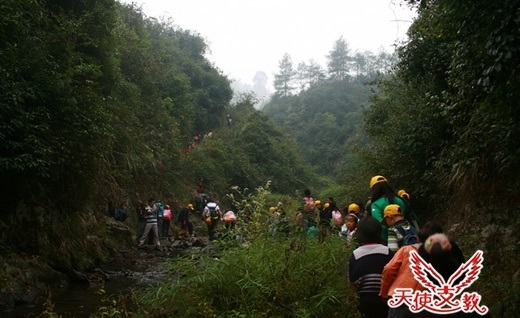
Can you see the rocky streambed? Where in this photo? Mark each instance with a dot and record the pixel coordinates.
(77, 294)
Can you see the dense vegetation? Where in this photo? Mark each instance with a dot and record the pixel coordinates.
(98, 102)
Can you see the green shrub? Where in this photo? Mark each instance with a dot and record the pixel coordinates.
(295, 277)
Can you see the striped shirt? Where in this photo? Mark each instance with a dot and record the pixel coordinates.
(151, 214)
(395, 238)
(366, 267)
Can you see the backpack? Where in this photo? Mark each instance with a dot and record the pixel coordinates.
(167, 215)
(308, 207)
(201, 201)
(409, 235)
(337, 217)
(160, 209)
(213, 211)
(313, 232)
(121, 214)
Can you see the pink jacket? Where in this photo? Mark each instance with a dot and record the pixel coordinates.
(397, 273)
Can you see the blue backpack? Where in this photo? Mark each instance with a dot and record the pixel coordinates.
(409, 235)
(121, 214)
(160, 209)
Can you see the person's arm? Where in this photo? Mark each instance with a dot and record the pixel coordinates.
(390, 271)
(353, 272)
(393, 240)
(376, 211)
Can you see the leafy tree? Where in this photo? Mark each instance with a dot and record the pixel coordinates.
(315, 73)
(309, 74)
(283, 81)
(301, 75)
(360, 63)
(339, 60)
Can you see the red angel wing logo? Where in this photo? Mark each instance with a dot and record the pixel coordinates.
(471, 269)
(420, 269)
(442, 295)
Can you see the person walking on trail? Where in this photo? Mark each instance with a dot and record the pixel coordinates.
(166, 219)
(325, 221)
(200, 186)
(121, 213)
(355, 208)
(229, 119)
(381, 196)
(230, 220)
(274, 220)
(308, 212)
(398, 274)
(151, 223)
(348, 230)
(400, 231)
(212, 215)
(184, 219)
(366, 266)
(160, 211)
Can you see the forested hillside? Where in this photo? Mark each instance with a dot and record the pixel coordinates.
(446, 124)
(443, 124)
(322, 109)
(98, 105)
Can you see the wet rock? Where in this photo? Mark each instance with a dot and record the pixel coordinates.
(29, 279)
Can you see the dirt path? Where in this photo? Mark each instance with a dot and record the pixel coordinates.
(144, 263)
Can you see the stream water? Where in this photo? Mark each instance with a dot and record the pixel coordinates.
(75, 300)
(136, 269)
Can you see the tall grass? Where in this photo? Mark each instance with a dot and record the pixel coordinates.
(293, 277)
(270, 276)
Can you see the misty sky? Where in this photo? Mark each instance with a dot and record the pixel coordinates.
(246, 36)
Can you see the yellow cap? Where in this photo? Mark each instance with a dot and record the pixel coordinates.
(326, 205)
(317, 202)
(391, 210)
(272, 209)
(376, 179)
(190, 206)
(403, 194)
(353, 207)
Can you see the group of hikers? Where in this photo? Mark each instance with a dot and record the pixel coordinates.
(384, 232)
(321, 219)
(380, 266)
(156, 219)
